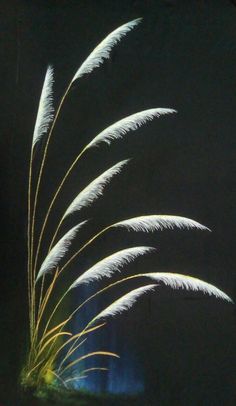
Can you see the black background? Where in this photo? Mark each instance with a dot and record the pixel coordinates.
(182, 56)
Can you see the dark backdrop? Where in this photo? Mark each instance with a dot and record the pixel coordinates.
(182, 56)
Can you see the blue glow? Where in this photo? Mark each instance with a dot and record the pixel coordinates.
(124, 375)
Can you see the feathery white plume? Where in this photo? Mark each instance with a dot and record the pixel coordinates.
(111, 264)
(45, 111)
(130, 123)
(58, 251)
(178, 281)
(158, 222)
(103, 50)
(124, 303)
(94, 189)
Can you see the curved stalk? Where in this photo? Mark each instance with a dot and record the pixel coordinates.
(78, 335)
(72, 349)
(100, 292)
(52, 314)
(57, 229)
(67, 263)
(35, 367)
(56, 233)
(41, 294)
(50, 208)
(44, 303)
(54, 280)
(63, 268)
(63, 333)
(85, 331)
(84, 371)
(59, 326)
(41, 171)
(29, 272)
(83, 247)
(91, 354)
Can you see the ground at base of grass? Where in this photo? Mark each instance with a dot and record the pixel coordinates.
(63, 397)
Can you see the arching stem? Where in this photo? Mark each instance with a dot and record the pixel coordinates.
(40, 175)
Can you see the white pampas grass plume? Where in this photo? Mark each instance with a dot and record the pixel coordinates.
(45, 111)
(58, 251)
(159, 222)
(178, 281)
(130, 123)
(124, 303)
(94, 189)
(111, 264)
(103, 50)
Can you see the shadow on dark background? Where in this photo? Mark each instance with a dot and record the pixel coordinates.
(182, 56)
